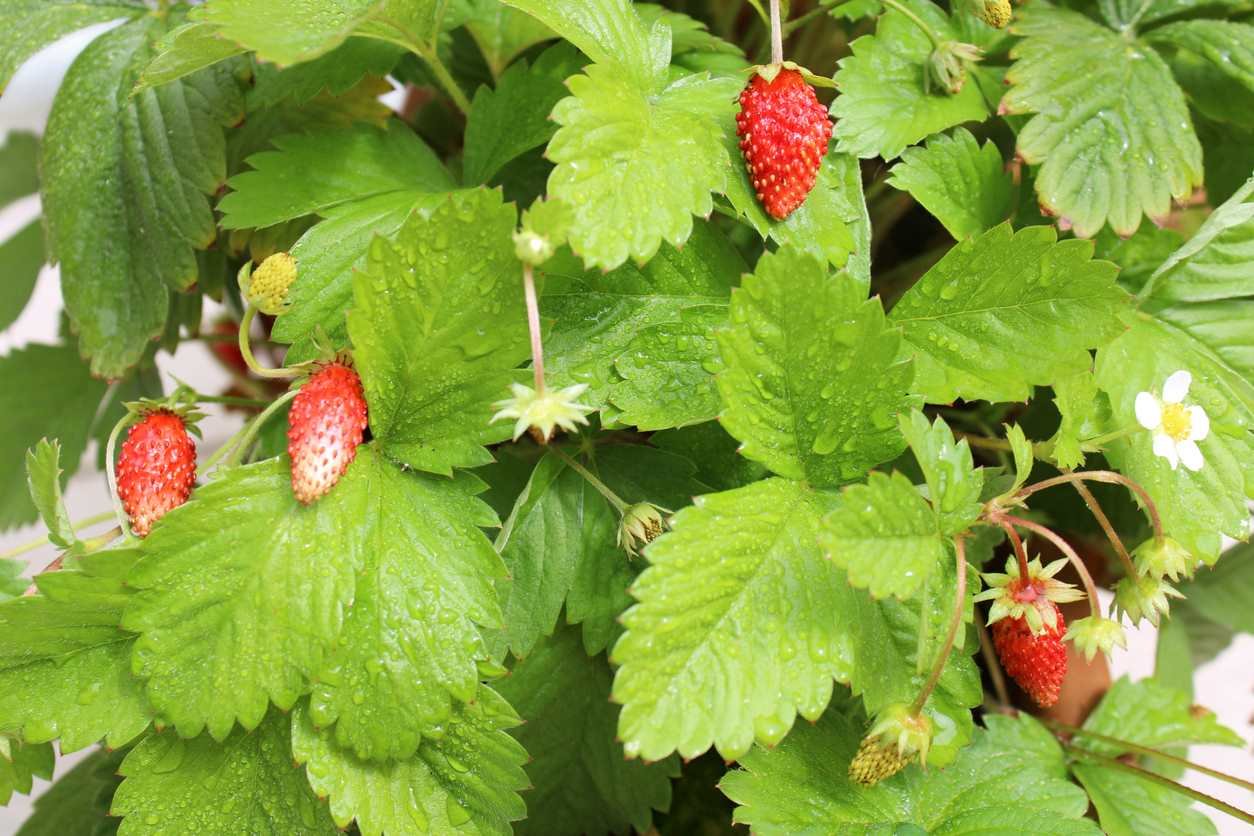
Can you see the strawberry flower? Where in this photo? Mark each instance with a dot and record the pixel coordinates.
(1177, 428)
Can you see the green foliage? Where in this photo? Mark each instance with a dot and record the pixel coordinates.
(34, 24)
(12, 584)
(959, 181)
(79, 800)
(812, 385)
(22, 257)
(19, 763)
(953, 484)
(43, 477)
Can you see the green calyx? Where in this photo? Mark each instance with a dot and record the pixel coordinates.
(1031, 599)
(947, 66)
(641, 524)
(769, 72)
(1144, 596)
(1094, 633)
(1165, 558)
(897, 738)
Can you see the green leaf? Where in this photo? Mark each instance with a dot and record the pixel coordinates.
(883, 105)
(19, 166)
(1225, 592)
(503, 33)
(329, 253)
(714, 452)
(78, 802)
(58, 400)
(831, 224)
(183, 51)
(233, 617)
(12, 584)
(294, 180)
(465, 781)
(634, 167)
(1021, 449)
(1010, 780)
(1128, 805)
(811, 384)
(438, 330)
(513, 118)
(1083, 410)
(125, 180)
(1211, 266)
(43, 477)
(409, 645)
(1150, 714)
(30, 25)
(333, 74)
(246, 784)
(723, 652)
(610, 33)
(65, 667)
(1111, 128)
(1220, 61)
(963, 184)
(1006, 311)
(953, 484)
(1195, 506)
(19, 763)
(21, 259)
(581, 782)
(599, 315)
(884, 535)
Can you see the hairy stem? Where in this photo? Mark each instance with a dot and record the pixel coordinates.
(955, 622)
(1090, 588)
(915, 19)
(1075, 731)
(237, 444)
(1021, 554)
(245, 348)
(36, 543)
(601, 488)
(777, 35)
(995, 672)
(1096, 510)
(1154, 777)
(447, 83)
(533, 327)
(1109, 477)
(111, 471)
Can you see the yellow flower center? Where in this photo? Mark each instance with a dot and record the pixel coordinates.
(1176, 421)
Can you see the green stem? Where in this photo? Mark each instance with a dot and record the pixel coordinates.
(1090, 588)
(1075, 731)
(447, 82)
(777, 36)
(995, 672)
(915, 19)
(602, 488)
(1098, 514)
(1094, 444)
(237, 444)
(229, 400)
(245, 349)
(1109, 477)
(533, 327)
(1154, 777)
(111, 471)
(955, 621)
(41, 541)
(798, 22)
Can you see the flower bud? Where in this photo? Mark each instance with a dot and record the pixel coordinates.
(947, 65)
(532, 248)
(641, 524)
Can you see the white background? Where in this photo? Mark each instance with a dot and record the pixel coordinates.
(1225, 685)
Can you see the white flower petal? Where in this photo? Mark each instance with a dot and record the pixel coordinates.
(1149, 412)
(1166, 448)
(1190, 455)
(1199, 423)
(1177, 386)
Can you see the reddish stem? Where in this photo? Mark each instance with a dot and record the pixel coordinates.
(1109, 477)
(1090, 588)
(1020, 552)
(533, 326)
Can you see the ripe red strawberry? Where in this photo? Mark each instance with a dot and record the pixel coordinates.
(156, 468)
(325, 426)
(228, 352)
(783, 132)
(1038, 663)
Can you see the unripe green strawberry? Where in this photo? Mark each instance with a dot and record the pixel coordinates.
(996, 13)
(156, 468)
(325, 425)
(783, 130)
(1037, 661)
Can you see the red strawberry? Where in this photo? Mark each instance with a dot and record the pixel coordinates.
(783, 132)
(1037, 662)
(156, 468)
(325, 426)
(228, 353)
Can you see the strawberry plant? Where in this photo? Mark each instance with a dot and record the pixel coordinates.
(669, 417)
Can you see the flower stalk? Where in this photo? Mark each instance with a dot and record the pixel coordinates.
(1090, 588)
(955, 622)
(1108, 477)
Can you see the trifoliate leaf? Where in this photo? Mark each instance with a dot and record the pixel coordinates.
(884, 535)
(1150, 714)
(245, 784)
(580, 781)
(599, 315)
(635, 167)
(811, 384)
(409, 645)
(183, 51)
(723, 652)
(513, 118)
(502, 33)
(235, 616)
(59, 398)
(1006, 311)
(19, 763)
(1195, 506)
(65, 667)
(438, 328)
(1129, 805)
(22, 256)
(43, 477)
(884, 105)
(1211, 266)
(831, 224)
(125, 180)
(294, 180)
(953, 483)
(1111, 128)
(78, 802)
(33, 24)
(963, 184)
(610, 33)
(1010, 780)
(465, 781)
(333, 74)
